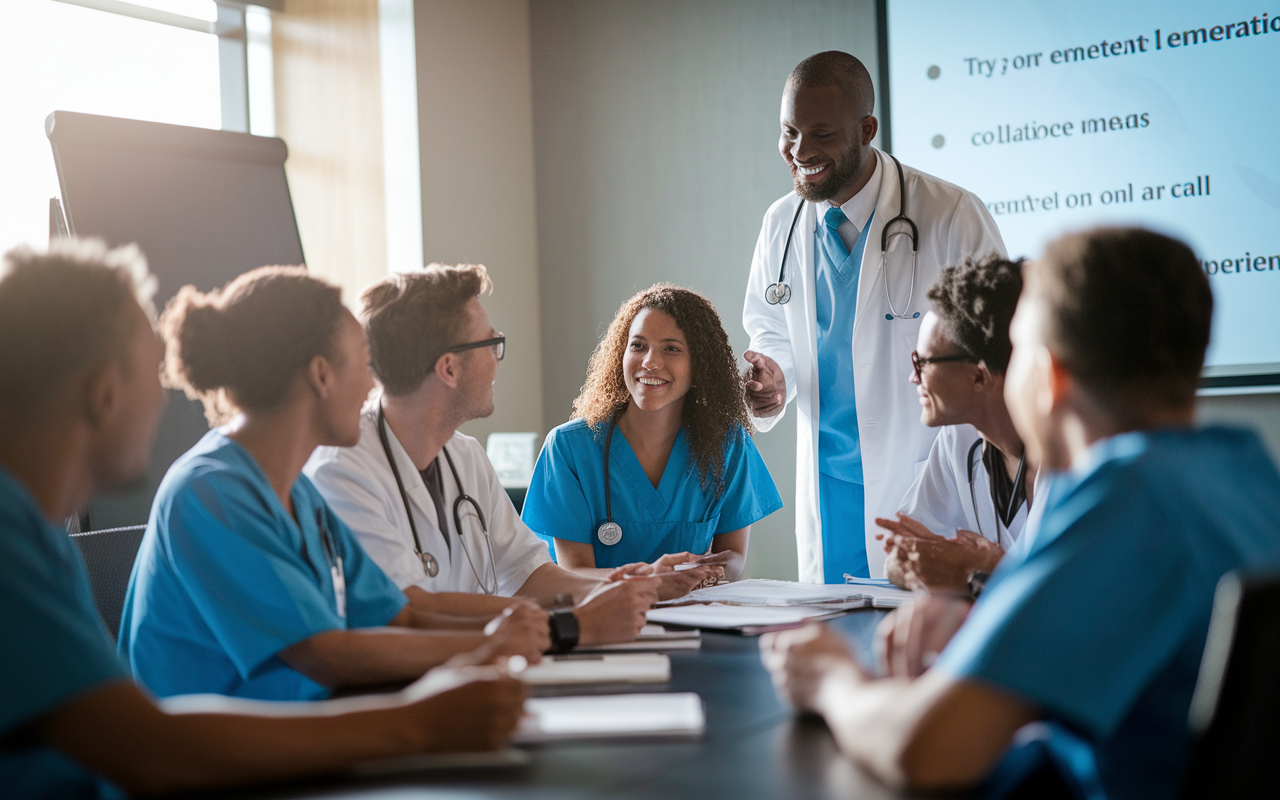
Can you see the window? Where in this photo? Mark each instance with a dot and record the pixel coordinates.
(93, 56)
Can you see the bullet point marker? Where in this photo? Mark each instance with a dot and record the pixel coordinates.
(934, 72)
(938, 141)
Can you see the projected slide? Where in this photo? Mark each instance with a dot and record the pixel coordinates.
(1063, 115)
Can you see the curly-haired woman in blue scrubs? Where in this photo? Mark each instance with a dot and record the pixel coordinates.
(683, 479)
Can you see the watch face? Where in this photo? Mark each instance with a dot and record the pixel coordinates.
(609, 533)
(429, 564)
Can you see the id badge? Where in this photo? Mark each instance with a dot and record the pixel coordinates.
(339, 587)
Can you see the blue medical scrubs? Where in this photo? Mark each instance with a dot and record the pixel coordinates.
(1101, 621)
(566, 495)
(226, 579)
(56, 647)
(841, 495)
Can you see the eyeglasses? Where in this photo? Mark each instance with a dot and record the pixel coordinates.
(498, 343)
(919, 363)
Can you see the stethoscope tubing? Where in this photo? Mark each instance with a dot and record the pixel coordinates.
(779, 293)
(608, 440)
(462, 497)
(973, 495)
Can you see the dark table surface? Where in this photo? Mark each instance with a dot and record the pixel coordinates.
(754, 746)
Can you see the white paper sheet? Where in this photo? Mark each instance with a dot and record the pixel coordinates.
(621, 668)
(748, 619)
(611, 716)
(771, 593)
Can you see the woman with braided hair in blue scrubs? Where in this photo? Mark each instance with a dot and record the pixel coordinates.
(683, 481)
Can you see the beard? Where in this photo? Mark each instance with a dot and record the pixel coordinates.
(838, 175)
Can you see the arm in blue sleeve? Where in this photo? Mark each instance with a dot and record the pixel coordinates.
(243, 570)
(556, 505)
(750, 494)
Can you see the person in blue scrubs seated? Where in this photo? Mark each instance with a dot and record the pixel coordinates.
(972, 499)
(683, 482)
(247, 583)
(1095, 621)
(79, 402)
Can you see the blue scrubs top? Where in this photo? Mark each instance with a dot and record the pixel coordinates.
(226, 579)
(56, 647)
(566, 495)
(1101, 621)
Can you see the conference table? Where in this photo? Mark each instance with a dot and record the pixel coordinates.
(754, 746)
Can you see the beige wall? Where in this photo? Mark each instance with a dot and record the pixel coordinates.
(475, 123)
(328, 110)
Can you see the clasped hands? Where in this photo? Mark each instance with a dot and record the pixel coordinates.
(920, 559)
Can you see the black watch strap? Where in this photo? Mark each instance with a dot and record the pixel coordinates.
(978, 582)
(564, 631)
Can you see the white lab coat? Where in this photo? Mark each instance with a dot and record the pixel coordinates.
(952, 223)
(358, 484)
(942, 500)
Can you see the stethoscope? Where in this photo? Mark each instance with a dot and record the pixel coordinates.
(429, 563)
(1007, 511)
(780, 292)
(609, 532)
(336, 570)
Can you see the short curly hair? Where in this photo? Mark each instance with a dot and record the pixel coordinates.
(64, 311)
(713, 412)
(974, 301)
(240, 347)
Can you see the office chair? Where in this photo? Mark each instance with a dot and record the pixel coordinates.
(108, 557)
(1235, 711)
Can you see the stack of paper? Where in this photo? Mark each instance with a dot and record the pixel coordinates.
(623, 668)
(652, 638)
(782, 594)
(623, 716)
(745, 619)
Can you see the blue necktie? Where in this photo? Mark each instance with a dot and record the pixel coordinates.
(834, 219)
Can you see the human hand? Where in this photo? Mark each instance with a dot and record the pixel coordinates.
(801, 660)
(478, 715)
(766, 386)
(909, 640)
(615, 611)
(673, 583)
(522, 629)
(920, 559)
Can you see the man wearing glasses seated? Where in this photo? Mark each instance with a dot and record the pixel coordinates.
(424, 500)
(971, 500)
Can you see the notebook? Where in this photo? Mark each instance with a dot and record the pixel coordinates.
(604, 668)
(622, 716)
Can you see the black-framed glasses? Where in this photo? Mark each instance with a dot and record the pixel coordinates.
(919, 363)
(498, 343)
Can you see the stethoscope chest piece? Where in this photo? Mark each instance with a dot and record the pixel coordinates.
(778, 293)
(609, 533)
(429, 564)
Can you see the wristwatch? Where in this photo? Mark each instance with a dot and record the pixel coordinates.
(564, 631)
(978, 582)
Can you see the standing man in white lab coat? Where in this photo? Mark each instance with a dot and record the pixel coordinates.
(835, 331)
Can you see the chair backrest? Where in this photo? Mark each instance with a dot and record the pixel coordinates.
(108, 556)
(1235, 711)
